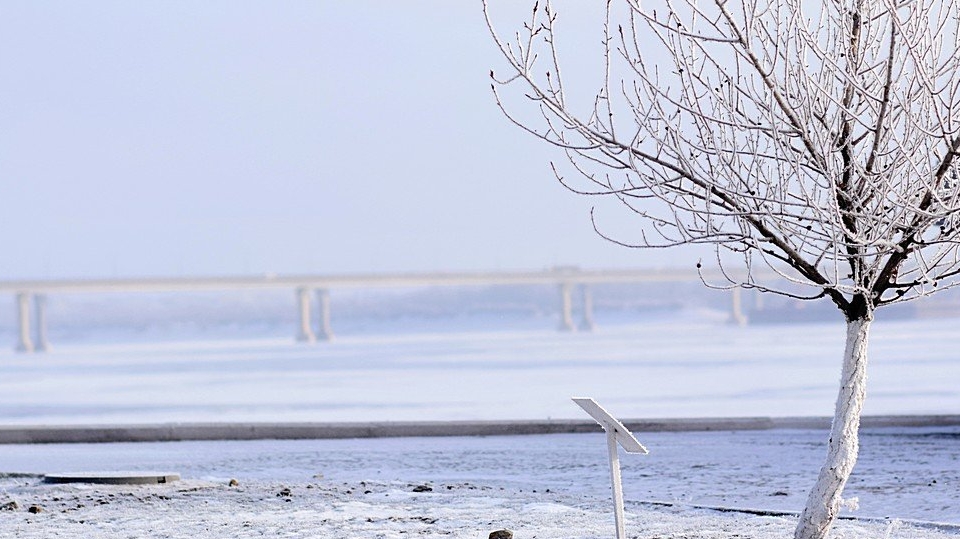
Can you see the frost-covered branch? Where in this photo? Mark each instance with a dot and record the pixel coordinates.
(820, 139)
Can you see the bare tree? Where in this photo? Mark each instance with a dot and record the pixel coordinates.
(814, 140)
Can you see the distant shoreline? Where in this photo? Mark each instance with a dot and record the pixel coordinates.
(171, 432)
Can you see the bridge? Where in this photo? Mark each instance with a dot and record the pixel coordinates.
(31, 295)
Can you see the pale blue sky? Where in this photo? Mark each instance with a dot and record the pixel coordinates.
(223, 137)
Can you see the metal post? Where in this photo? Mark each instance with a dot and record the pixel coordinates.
(303, 304)
(586, 322)
(566, 308)
(324, 332)
(23, 318)
(617, 485)
(40, 304)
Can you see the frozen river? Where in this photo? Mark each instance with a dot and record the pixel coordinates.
(693, 367)
(682, 367)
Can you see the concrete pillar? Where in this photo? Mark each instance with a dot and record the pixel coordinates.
(758, 302)
(40, 332)
(23, 319)
(324, 333)
(566, 307)
(586, 295)
(305, 334)
(736, 315)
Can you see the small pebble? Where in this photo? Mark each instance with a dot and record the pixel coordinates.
(501, 534)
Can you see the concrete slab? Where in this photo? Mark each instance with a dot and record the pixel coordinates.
(113, 478)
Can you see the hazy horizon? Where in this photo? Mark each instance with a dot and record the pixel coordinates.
(214, 138)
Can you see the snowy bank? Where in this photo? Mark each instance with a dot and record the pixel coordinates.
(539, 485)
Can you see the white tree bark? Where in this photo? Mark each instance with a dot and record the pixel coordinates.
(823, 502)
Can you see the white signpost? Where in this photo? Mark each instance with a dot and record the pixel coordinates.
(616, 433)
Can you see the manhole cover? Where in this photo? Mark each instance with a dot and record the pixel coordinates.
(113, 478)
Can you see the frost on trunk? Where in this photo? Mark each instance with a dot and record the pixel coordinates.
(823, 502)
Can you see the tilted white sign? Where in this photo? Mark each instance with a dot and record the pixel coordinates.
(611, 424)
(616, 434)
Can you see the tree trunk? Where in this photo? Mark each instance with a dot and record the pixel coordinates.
(823, 502)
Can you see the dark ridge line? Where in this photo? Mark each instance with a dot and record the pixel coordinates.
(171, 432)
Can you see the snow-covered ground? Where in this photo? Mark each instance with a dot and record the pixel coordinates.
(677, 367)
(539, 486)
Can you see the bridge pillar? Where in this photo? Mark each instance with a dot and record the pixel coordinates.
(305, 333)
(324, 333)
(586, 320)
(736, 315)
(566, 307)
(40, 332)
(24, 343)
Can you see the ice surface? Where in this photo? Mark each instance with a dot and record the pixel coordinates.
(685, 368)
